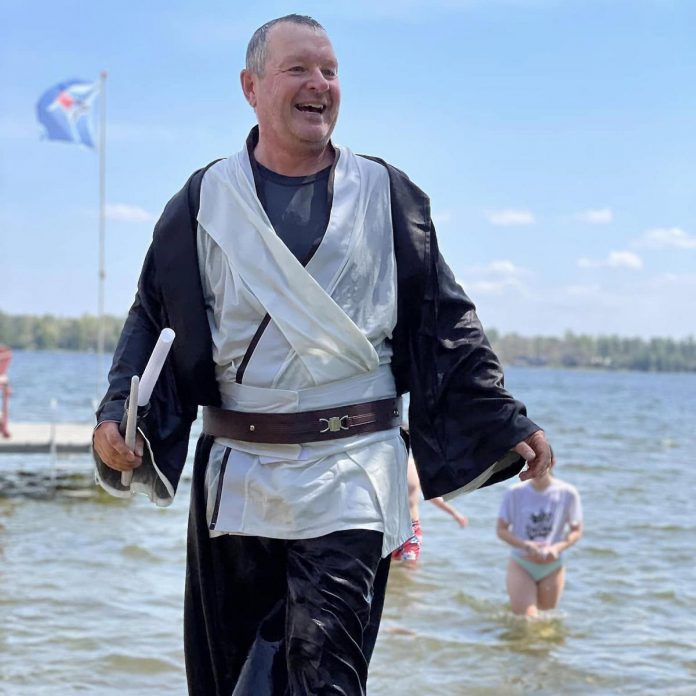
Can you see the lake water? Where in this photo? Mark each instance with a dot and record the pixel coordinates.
(91, 588)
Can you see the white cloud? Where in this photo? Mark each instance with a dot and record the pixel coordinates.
(615, 259)
(596, 216)
(624, 259)
(505, 268)
(485, 287)
(127, 213)
(500, 267)
(510, 217)
(495, 278)
(667, 237)
(442, 217)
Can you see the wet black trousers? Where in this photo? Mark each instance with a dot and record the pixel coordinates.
(270, 617)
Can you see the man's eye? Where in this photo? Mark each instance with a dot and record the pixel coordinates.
(329, 73)
(296, 69)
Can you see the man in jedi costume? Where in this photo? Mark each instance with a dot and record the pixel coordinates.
(307, 293)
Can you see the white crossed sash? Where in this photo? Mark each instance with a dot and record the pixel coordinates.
(305, 319)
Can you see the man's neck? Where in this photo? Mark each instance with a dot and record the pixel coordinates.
(294, 164)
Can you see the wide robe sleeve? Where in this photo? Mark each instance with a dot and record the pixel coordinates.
(462, 422)
(168, 294)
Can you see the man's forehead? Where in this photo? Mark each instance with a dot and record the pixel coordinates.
(327, 56)
(287, 40)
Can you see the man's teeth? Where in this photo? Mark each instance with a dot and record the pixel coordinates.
(313, 108)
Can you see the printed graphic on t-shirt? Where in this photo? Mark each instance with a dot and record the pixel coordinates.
(539, 525)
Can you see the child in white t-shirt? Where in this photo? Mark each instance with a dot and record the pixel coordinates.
(540, 519)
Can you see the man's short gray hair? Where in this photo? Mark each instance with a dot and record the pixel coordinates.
(257, 48)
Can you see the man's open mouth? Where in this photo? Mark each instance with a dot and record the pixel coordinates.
(311, 108)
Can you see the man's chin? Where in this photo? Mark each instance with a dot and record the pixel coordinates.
(314, 140)
(314, 130)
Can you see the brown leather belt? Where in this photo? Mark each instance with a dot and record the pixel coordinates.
(305, 426)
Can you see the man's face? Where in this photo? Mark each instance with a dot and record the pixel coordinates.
(297, 99)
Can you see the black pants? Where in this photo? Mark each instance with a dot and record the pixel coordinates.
(269, 617)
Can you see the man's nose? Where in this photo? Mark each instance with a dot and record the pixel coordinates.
(318, 81)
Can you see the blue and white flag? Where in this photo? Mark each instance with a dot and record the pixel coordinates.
(65, 111)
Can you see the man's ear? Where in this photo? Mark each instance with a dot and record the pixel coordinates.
(248, 80)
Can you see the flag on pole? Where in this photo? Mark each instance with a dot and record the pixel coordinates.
(65, 111)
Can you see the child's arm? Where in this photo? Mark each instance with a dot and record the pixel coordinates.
(462, 520)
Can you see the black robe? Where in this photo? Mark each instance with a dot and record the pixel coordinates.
(461, 418)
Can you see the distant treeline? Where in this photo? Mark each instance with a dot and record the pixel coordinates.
(572, 350)
(607, 352)
(55, 333)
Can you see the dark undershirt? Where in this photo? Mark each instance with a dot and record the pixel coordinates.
(297, 207)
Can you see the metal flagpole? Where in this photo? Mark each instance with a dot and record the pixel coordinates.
(102, 226)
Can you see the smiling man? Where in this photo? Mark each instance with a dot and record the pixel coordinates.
(291, 82)
(307, 293)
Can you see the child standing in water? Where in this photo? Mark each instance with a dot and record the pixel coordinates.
(540, 519)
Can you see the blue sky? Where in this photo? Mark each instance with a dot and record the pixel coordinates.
(556, 139)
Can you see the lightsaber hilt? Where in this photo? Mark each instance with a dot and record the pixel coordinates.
(131, 426)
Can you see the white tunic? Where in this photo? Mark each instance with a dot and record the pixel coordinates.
(325, 346)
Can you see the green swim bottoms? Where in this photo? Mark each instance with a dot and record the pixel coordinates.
(538, 571)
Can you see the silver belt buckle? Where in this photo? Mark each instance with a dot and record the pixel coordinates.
(334, 424)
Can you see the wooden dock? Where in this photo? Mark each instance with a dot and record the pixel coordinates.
(37, 438)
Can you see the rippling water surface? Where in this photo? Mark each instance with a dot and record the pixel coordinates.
(91, 588)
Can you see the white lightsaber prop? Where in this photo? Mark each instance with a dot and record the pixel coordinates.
(143, 390)
(154, 366)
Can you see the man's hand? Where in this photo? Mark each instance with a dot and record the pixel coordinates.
(537, 452)
(111, 447)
